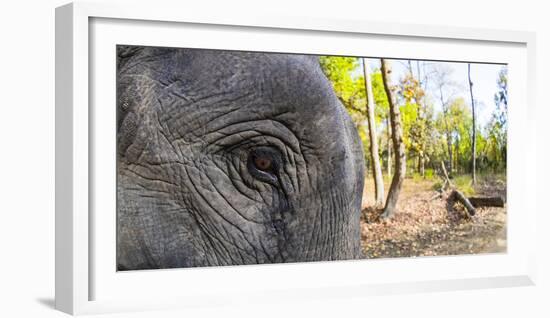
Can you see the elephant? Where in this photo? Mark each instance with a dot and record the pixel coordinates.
(232, 158)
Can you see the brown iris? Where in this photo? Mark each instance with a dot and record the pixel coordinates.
(263, 163)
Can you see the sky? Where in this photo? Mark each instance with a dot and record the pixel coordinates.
(484, 77)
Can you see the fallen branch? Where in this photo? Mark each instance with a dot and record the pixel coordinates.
(458, 196)
(438, 195)
(446, 175)
(444, 186)
(487, 201)
(469, 203)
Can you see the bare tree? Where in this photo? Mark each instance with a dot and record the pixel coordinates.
(473, 126)
(418, 131)
(447, 89)
(376, 169)
(421, 111)
(398, 145)
(423, 115)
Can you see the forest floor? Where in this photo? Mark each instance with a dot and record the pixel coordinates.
(426, 224)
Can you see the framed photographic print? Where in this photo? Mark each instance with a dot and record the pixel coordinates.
(265, 156)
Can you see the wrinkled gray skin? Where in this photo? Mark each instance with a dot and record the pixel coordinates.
(190, 123)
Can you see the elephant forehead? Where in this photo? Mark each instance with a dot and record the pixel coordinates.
(281, 80)
(196, 92)
(231, 87)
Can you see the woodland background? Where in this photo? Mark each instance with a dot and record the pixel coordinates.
(430, 137)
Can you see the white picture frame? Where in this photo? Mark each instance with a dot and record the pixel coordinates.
(87, 284)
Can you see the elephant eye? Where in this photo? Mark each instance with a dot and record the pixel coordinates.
(263, 164)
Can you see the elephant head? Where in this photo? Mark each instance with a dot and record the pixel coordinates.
(228, 158)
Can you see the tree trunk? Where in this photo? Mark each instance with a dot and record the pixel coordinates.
(422, 165)
(389, 145)
(456, 156)
(398, 145)
(473, 127)
(448, 134)
(421, 116)
(375, 160)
